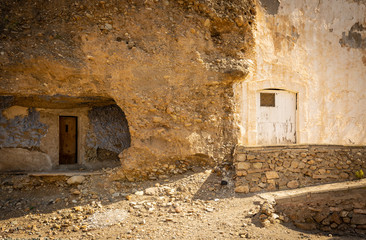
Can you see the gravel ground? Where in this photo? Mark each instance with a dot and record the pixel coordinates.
(200, 204)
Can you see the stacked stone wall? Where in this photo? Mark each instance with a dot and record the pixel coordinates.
(339, 212)
(286, 167)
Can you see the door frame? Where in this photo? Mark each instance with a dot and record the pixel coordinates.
(76, 139)
(277, 90)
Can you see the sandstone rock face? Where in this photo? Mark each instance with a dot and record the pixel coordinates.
(169, 67)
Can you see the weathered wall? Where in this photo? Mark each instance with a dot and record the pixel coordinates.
(316, 49)
(279, 167)
(169, 65)
(20, 127)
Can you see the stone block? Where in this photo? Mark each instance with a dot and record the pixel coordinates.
(257, 165)
(242, 189)
(255, 170)
(358, 219)
(319, 217)
(362, 226)
(250, 157)
(311, 162)
(301, 165)
(335, 218)
(253, 177)
(293, 184)
(359, 211)
(294, 164)
(344, 175)
(240, 157)
(272, 175)
(243, 166)
(241, 173)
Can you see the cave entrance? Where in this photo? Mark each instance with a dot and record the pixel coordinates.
(44, 133)
(68, 140)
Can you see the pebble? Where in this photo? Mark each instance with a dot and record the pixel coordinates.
(139, 193)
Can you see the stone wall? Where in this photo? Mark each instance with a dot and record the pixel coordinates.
(339, 212)
(283, 167)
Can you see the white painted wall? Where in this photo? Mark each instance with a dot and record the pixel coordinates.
(299, 50)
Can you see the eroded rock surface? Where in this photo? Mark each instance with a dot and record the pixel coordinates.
(169, 65)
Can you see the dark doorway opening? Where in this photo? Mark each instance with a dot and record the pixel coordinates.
(68, 140)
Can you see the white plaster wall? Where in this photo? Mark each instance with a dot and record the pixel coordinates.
(298, 49)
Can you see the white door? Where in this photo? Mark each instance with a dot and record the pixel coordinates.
(276, 117)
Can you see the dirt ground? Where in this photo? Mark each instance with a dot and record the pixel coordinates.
(197, 205)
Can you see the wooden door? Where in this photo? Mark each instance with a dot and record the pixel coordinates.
(68, 140)
(276, 117)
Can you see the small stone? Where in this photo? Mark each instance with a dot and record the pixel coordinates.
(78, 209)
(108, 26)
(153, 191)
(75, 192)
(239, 21)
(157, 119)
(266, 223)
(75, 228)
(139, 193)
(207, 23)
(343, 214)
(209, 209)
(75, 180)
(333, 225)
